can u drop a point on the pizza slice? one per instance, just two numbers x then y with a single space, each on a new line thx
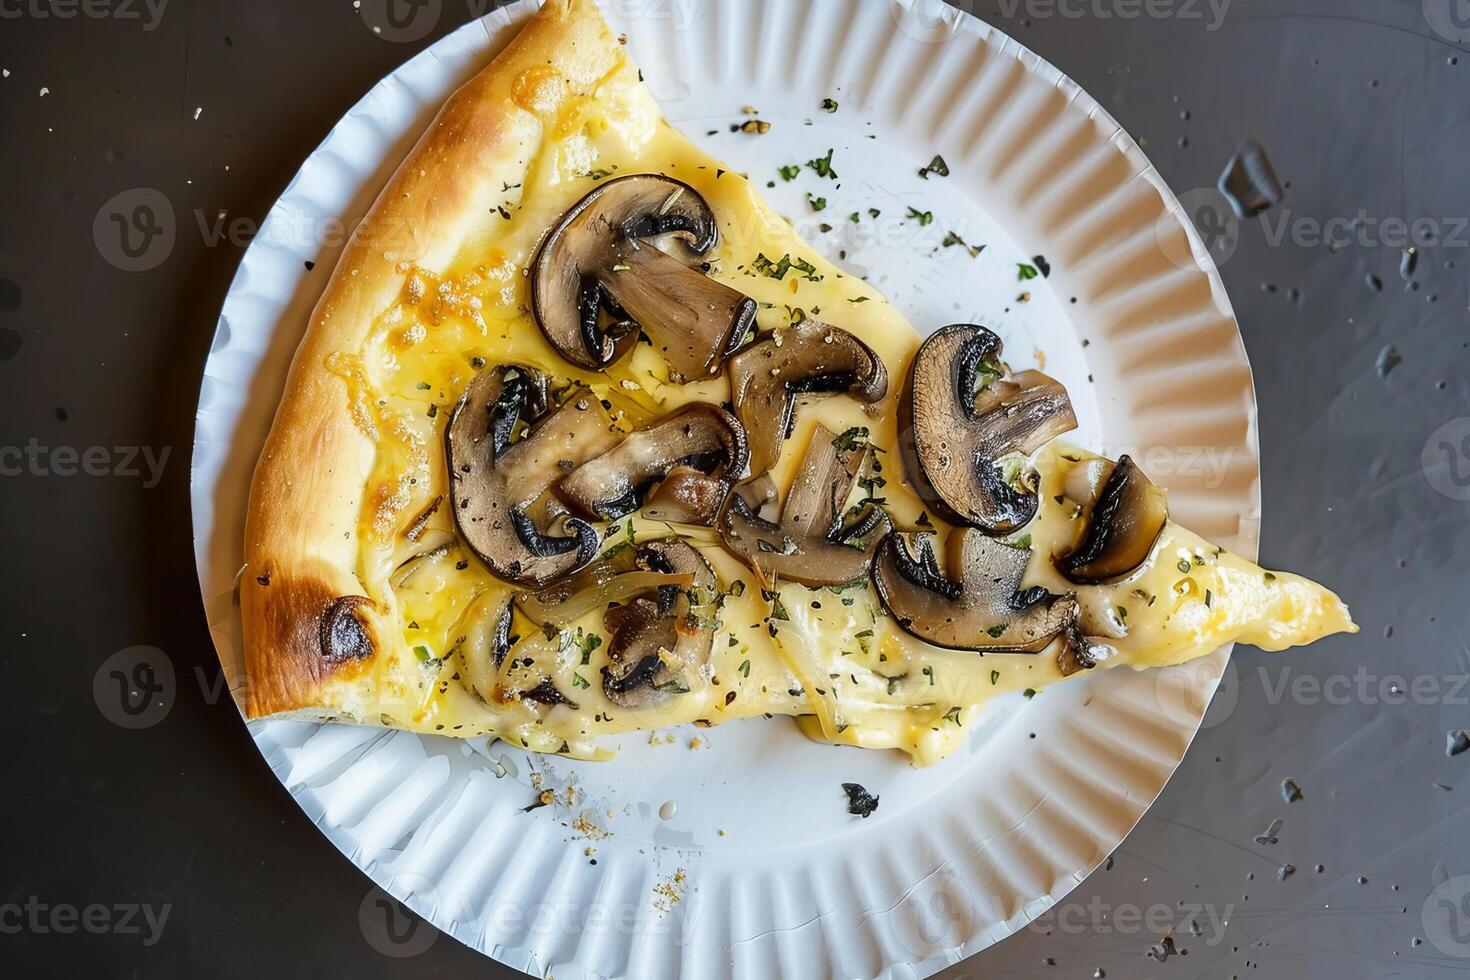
583 439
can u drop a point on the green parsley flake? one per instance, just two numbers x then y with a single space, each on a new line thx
823 166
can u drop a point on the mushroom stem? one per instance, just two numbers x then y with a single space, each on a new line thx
703 444
692 319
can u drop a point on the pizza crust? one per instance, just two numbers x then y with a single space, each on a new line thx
303 544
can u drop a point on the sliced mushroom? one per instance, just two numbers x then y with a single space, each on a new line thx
497 479
954 428
627 248
1127 521
705 444
687 496
661 640
1080 652
979 606
817 541
808 358
759 494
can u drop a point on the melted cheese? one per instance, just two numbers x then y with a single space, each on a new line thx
830 656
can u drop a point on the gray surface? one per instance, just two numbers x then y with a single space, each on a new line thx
1360 109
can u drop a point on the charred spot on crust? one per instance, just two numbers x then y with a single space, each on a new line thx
343 635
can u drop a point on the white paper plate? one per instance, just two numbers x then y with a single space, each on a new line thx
960 855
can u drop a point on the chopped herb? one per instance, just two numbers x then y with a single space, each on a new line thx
873 212
929 673
829 105
745 668
817 203
737 588
1122 613
422 652
953 239
1024 542
997 629
823 166
579 681
994 677
1209 598
1270 577
855 436
922 217
778 270
936 166
1025 271
1029 693
855 217
790 173
423 386
953 714
1183 565
860 299
600 174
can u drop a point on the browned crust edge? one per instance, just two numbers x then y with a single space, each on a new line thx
302 540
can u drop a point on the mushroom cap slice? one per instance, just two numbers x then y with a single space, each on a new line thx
816 541
660 641
1126 522
979 606
496 480
705 443
628 248
808 358
953 435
